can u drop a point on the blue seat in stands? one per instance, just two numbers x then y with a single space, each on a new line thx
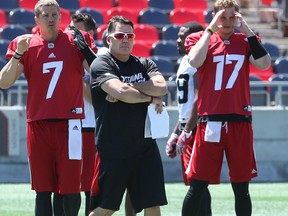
165 48
96 14
8 5
9 32
154 16
170 32
22 16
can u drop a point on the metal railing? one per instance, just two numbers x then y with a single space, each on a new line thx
279 87
267 87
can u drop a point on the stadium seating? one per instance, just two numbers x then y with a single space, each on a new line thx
3 47
267 2
200 5
3 18
22 17
8 5
27 4
171 97
96 14
279 96
121 11
165 65
263 74
102 5
170 32
208 15
260 95
281 65
154 16
71 5
65 18
141 49
180 16
146 33
135 5
165 48
9 32
166 5
272 49
3 62
100 30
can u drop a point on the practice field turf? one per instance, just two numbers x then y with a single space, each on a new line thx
269 199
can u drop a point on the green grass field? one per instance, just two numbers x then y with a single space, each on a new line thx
268 199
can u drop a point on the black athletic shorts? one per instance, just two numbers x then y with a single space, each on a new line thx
142 175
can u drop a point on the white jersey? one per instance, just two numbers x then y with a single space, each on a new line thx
89 120
102 51
185 89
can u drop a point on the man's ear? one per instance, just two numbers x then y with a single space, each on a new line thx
108 40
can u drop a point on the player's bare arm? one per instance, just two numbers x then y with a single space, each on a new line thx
198 53
12 70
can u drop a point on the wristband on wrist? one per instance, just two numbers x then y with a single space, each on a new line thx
18 54
256 48
16 57
210 29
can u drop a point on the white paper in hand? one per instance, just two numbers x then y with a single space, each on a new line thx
157 124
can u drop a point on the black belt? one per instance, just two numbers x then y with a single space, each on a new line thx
88 129
225 117
182 126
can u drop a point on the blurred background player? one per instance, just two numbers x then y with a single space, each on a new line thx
104 49
187 88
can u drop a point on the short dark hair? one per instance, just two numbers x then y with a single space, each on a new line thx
87 19
118 19
104 37
193 27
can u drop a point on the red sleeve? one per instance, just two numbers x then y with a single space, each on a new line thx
11 48
90 41
191 40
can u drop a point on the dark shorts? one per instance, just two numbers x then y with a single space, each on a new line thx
141 175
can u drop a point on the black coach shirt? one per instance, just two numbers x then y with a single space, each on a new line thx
120 126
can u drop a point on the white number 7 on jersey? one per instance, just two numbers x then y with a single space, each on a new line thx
58 65
220 69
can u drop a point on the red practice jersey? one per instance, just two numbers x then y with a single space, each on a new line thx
54 74
224 75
